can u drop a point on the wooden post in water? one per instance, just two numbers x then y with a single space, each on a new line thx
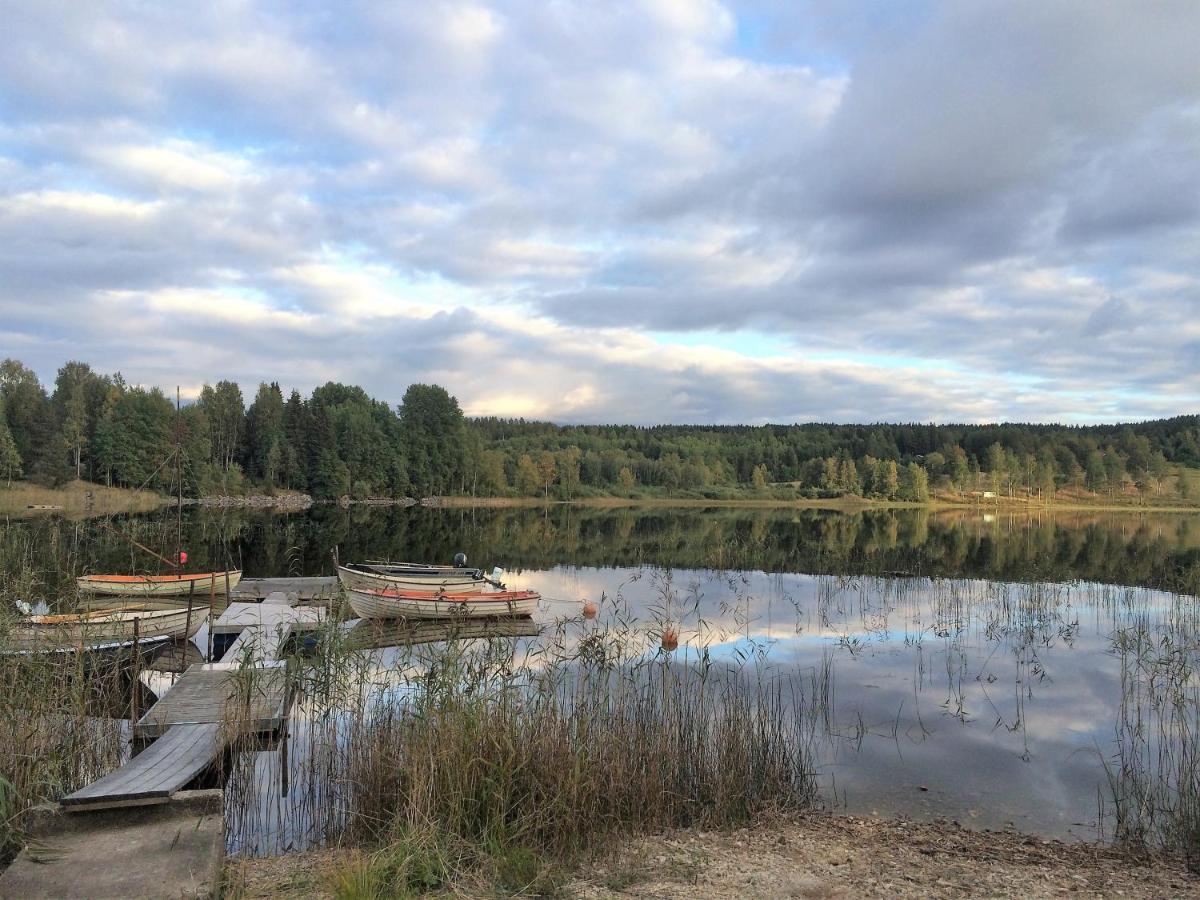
228 599
137 666
284 772
187 630
212 599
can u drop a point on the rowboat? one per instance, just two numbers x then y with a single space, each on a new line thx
102 628
390 603
367 576
199 583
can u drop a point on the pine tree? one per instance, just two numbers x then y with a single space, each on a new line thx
265 436
10 459
431 425
295 428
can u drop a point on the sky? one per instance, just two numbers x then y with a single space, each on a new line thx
661 211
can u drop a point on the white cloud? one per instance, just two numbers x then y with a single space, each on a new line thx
944 216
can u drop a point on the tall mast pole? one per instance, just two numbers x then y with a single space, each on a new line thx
179 478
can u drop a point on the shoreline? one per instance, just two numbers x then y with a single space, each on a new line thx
85 499
834 504
818 854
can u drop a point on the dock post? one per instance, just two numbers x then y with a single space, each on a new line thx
137 671
187 630
212 600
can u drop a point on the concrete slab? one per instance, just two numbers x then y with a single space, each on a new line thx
174 850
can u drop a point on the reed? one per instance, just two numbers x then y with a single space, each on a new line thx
59 730
1154 776
500 759
61 714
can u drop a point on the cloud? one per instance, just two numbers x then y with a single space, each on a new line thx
940 212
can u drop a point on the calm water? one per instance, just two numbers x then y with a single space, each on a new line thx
976 667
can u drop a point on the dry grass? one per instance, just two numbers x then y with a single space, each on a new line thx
58 730
77 498
498 762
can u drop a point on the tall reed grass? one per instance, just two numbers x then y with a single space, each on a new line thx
502 757
1154 776
60 729
61 714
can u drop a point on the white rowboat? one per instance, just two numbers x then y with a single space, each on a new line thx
398 604
102 628
200 584
364 578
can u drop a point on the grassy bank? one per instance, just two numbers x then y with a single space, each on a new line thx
76 498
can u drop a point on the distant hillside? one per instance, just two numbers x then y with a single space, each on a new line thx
340 441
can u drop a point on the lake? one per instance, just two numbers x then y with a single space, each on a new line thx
992 668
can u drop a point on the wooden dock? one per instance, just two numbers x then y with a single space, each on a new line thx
297 590
210 707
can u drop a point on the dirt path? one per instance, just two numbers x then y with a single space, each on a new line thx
818 856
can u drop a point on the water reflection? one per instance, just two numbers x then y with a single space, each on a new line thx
998 672
1149 550
991 703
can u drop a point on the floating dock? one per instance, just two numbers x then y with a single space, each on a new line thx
139 832
211 707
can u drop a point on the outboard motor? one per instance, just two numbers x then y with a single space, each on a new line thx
460 560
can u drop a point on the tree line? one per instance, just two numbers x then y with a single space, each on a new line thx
339 441
336 442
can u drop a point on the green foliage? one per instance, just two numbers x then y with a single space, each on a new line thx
915 484
432 426
759 477
266 438
354 444
10 459
133 438
25 409
226 413
342 442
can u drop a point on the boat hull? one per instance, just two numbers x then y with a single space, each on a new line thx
394 604
199 584
358 580
90 631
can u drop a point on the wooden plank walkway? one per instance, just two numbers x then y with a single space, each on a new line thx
297 590
250 699
208 708
154 774
264 628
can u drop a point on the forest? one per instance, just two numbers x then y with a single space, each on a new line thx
339 442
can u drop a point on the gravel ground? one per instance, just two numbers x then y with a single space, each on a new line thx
843 856
817 856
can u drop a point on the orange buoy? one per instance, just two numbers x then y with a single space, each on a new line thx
670 639
590 609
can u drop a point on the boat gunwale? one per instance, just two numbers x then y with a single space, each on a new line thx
500 597
157 579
